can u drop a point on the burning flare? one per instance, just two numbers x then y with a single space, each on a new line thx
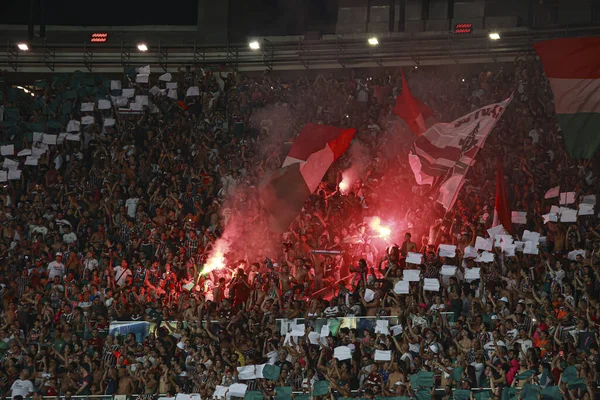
381 231
344 186
216 259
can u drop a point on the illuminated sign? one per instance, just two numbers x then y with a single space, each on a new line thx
463 28
99 37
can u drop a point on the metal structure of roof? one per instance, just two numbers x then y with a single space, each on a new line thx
66 49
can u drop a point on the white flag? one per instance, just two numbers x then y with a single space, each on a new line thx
115 85
586 209
143 70
383 355
431 285
103 104
448 270
589 199
447 250
567 198
414 258
192 91
7 150
552 193
402 287
342 353
411 275
382 326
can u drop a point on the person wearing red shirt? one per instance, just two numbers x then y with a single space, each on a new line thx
373 381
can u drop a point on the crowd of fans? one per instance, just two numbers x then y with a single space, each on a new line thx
117 224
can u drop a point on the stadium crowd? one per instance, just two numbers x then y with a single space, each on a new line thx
117 224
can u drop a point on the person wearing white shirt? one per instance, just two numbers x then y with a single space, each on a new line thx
56 267
511 332
131 205
90 263
61 223
332 310
122 273
524 342
69 237
22 386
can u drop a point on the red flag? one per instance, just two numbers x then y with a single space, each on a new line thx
501 207
411 110
284 191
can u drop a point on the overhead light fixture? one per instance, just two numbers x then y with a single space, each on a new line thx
463 79
23 46
494 35
142 47
373 41
416 67
254 45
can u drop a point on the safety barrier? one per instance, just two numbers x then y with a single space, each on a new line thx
141 329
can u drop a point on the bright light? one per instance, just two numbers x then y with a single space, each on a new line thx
99 37
416 66
463 79
216 259
344 186
29 92
494 36
254 45
373 41
23 46
381 231
142 47
214 262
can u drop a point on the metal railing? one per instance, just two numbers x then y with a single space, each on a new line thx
294 53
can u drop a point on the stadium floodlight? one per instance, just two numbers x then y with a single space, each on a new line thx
373 41
254 45
23 46
494 35
142 47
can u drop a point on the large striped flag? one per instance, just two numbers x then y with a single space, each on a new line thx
573 68
284 191
411 110
444 153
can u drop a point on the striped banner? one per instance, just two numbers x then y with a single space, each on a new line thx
454 145
442 156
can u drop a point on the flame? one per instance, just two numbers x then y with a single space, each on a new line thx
344 186
216 259
382 231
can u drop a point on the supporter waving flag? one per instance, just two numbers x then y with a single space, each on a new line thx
411 110
572 66
443 154
284 191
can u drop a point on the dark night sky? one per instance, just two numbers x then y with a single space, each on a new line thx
265 17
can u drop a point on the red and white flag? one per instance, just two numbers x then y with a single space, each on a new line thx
284 191
411 110
444 153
